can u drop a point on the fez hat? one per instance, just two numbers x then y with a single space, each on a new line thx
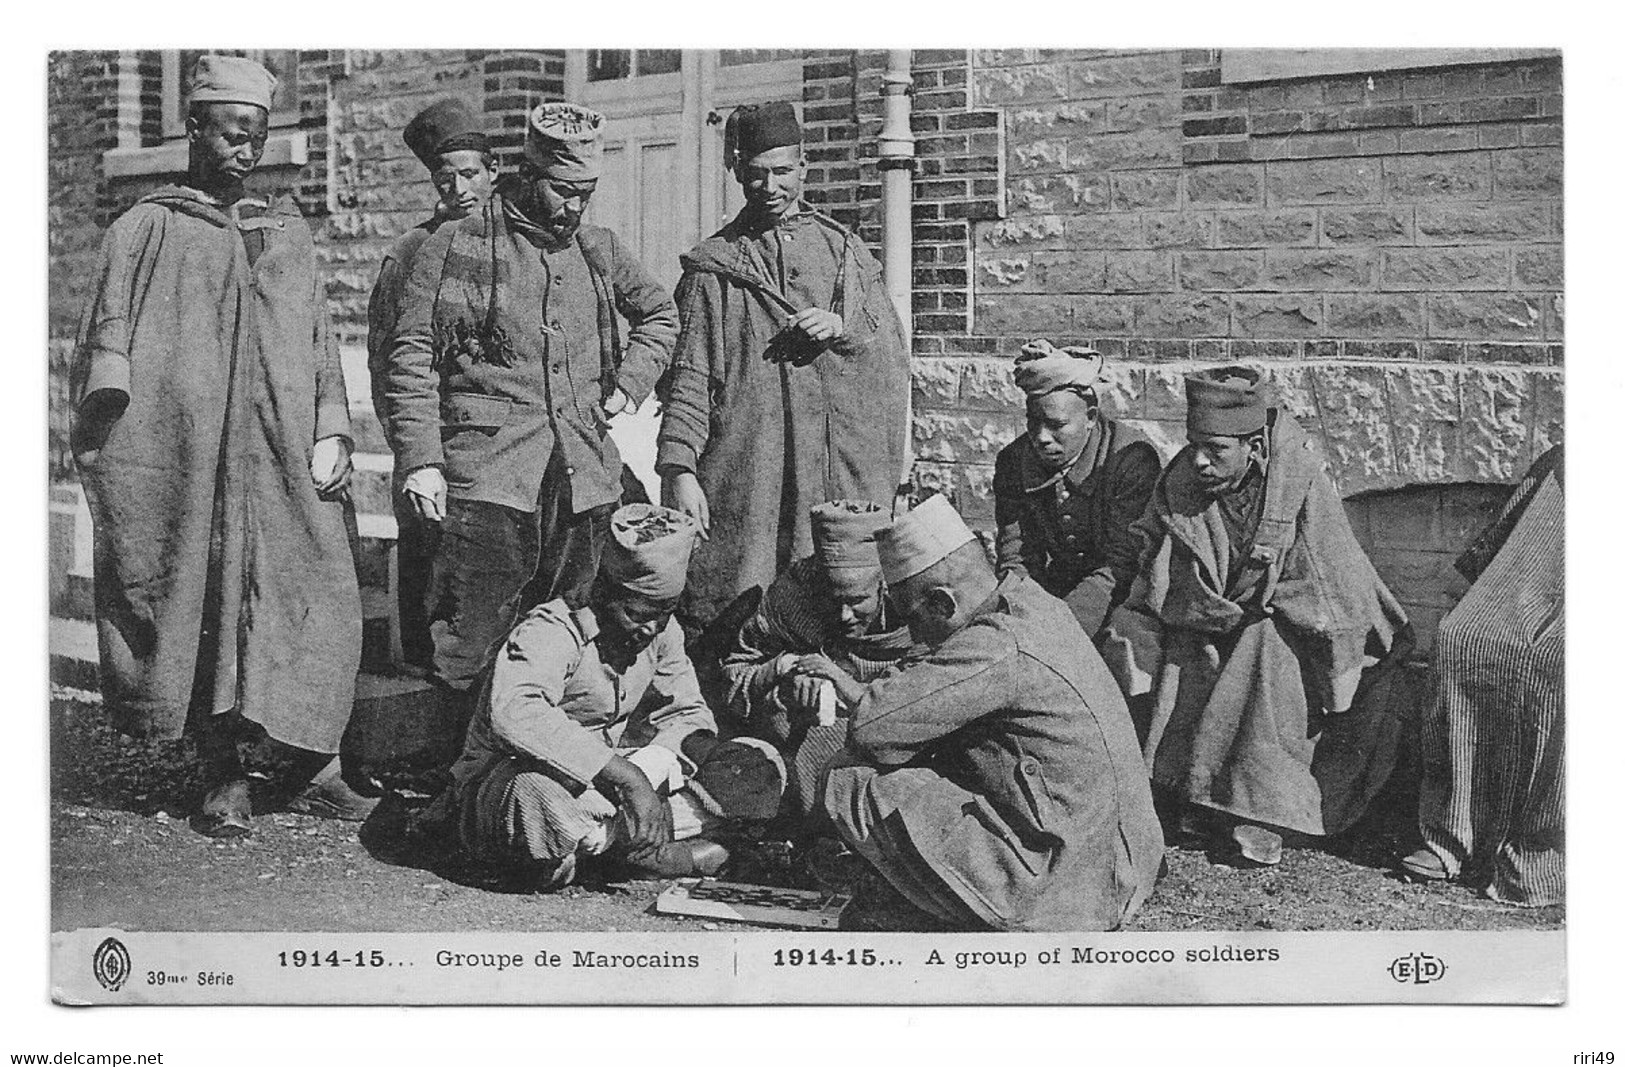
1227 401
220 79
1042 368
755 128
566 141
920 539
843 533
648 548
445 126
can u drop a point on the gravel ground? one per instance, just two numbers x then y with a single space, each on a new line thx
123 856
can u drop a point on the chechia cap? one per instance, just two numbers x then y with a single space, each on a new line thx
921 538
648 548
220 79
756 128
566 141
1226 401
843 533
445 126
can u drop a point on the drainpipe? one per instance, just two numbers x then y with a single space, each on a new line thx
896 207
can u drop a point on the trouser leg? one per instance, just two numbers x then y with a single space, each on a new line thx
568 545
485 553
416 542
866 807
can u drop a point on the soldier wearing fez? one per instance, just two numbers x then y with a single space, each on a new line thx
507 363
1253 617
790 383
994 779
451 143
212 434
591 737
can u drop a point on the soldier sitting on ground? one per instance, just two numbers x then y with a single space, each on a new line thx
590 737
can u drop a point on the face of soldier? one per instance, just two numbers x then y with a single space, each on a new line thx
628 623
225 144
555 204
855 609
464 180
772 180
1221 462
1058 425
930 608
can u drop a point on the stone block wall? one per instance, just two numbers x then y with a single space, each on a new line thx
1389 245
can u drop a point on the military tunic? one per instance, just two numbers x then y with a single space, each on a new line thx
997 781
504 354
1071 530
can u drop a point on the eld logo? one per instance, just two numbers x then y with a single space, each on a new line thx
1418 969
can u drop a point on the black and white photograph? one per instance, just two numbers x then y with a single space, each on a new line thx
796 525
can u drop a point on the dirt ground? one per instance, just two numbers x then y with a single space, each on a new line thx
123 856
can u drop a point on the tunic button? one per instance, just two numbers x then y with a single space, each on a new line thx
1029 766
569 470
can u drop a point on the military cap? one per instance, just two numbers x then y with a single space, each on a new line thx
448 125
755 128
921 538
843 533
648 548
1227 401
566 141
220 79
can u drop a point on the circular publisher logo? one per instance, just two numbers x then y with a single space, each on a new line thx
111 964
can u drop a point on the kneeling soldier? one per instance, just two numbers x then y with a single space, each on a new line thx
1068 491
591 737
994 781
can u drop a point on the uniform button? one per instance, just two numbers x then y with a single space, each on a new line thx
1066 516
1029 765
569 470
558 366
1065 494
1071 539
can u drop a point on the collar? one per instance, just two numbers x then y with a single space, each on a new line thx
587 622
799 214
1036 478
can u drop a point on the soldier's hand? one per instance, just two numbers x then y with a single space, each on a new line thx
819 325
426 489
618 402
799 695
644 812
818 665
330 466
682 491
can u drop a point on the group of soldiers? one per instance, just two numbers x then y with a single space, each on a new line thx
776 648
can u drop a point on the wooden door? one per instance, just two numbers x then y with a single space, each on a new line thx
663 186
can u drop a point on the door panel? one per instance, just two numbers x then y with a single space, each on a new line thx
657 145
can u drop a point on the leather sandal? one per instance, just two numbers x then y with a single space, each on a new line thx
329 796
1424 865
225 811
1257 844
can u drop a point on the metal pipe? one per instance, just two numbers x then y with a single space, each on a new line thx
897 192
897 210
